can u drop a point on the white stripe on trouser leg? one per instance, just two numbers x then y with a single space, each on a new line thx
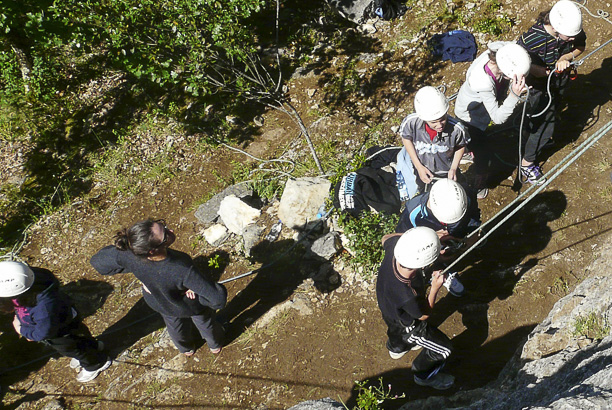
428 344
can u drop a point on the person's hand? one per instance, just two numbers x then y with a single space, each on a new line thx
442 233
437 279
518 85
17 325
190 294
562 65
425 175
452 174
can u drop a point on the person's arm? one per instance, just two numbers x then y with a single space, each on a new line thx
565 60
45 324
106 261
211 294
424 173
437 280
452 172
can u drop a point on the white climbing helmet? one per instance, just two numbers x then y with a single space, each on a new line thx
566 18
430 104
447 201
15 278
512 60
417 248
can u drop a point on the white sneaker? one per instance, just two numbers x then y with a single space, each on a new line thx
86 375
453 285
74 362
396 356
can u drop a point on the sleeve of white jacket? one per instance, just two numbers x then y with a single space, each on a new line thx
499 113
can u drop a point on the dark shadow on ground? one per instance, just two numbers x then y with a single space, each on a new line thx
19 357
274 284
137 323
490 278
467 369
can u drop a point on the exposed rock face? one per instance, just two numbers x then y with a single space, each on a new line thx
554 369
301 200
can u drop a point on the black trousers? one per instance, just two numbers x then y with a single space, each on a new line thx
78 343
181 330
437 347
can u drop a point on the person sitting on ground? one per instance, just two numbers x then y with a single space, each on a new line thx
405 307
481 99
553 43
448 210
171 284
434 141
45 314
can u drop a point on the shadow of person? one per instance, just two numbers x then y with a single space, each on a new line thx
137 323
483 366
213 265
285 267
21 357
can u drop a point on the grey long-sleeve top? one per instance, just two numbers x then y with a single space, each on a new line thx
167 281
477 102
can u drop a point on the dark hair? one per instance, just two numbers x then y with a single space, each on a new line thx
138 238
28 298
493 56
544 18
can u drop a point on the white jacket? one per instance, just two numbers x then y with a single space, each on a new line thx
476 103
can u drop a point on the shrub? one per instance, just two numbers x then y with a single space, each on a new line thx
364 235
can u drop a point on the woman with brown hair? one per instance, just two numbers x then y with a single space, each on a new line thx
172 285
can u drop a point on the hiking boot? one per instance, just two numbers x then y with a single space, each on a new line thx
87 375
467 158
532 174
453 285
74 362
482 193
440 381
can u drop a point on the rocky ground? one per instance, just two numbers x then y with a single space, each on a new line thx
290 340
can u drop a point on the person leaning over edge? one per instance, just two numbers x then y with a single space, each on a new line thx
434 141
405 307
45 314
484 98
171 284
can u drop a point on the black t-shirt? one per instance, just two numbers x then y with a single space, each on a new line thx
399 299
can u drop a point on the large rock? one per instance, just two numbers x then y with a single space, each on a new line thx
327 246
301 200
209 211
216 234
236 215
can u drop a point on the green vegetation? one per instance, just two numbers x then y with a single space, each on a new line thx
370 397
594 326
491 20
364 235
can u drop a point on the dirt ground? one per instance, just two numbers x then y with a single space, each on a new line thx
512 282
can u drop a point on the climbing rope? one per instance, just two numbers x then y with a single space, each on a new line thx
558 169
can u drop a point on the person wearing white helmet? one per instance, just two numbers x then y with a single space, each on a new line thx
433 140
405 306
446 208
45 314
553 43
484 98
